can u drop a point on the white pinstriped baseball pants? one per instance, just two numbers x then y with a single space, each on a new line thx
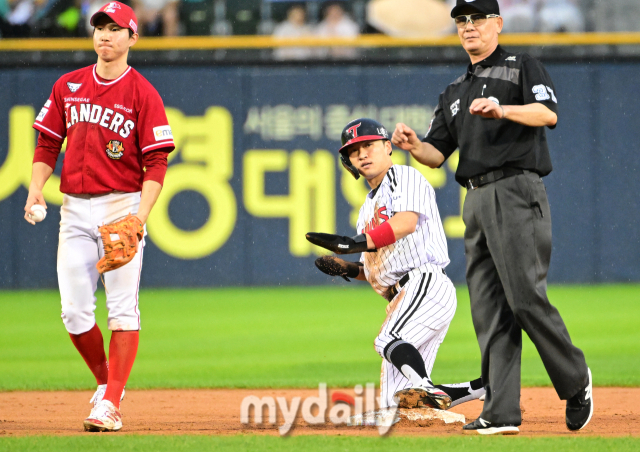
420 315
80 248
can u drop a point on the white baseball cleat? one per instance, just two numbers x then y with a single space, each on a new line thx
99 394
104 417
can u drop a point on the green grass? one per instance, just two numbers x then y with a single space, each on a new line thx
122 443
292 337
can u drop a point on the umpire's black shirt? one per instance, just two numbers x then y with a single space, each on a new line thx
488 144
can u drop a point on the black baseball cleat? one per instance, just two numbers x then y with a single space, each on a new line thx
580 407
488 428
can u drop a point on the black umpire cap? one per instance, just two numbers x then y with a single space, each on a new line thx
361 129
479 6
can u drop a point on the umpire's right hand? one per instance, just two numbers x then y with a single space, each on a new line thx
405 138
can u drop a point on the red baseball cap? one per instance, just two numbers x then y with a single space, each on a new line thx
120 13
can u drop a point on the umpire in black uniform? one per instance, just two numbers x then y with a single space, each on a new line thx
496 114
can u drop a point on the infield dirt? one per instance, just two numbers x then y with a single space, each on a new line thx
217 412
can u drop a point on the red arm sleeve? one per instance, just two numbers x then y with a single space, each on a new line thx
47 150
155 163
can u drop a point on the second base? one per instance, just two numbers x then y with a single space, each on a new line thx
386 417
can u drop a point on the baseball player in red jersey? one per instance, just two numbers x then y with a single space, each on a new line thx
118 138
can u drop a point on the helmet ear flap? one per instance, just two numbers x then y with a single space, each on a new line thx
348 166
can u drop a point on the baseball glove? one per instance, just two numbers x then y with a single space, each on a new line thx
119 252
339 244
334 266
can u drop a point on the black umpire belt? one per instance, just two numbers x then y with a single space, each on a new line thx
395 289
492 176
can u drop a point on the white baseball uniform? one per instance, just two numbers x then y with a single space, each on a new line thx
424 306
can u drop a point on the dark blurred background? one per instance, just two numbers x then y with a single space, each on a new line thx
70 18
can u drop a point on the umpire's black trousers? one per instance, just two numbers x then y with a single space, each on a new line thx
508 249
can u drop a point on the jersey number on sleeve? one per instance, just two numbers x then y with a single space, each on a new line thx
544 93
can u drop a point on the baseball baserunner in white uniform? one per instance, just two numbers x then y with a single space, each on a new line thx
404 253
118 139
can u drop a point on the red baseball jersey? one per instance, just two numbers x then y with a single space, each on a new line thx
109 125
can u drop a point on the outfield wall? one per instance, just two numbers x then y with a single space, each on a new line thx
256 168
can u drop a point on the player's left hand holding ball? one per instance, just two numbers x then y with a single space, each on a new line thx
339 244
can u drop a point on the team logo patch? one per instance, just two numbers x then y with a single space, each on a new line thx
115 149
44 111
162 133
383 132
73 87
511 58
455 107
111 7
42 114
353 131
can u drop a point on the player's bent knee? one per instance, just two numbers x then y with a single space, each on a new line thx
384 345
380 343
77 320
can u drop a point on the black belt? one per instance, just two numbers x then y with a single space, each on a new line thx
404 280
491 176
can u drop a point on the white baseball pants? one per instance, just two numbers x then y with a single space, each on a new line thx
80 248
420 314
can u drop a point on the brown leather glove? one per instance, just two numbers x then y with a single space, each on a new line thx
120 252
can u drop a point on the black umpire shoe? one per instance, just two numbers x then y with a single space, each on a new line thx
580 407
487 428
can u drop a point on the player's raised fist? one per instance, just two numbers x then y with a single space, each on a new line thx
404 137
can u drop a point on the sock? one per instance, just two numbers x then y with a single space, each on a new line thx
91 348
122 353
463 392
407 359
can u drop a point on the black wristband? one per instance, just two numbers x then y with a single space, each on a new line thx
353 269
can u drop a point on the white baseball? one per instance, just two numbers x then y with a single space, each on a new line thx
38 213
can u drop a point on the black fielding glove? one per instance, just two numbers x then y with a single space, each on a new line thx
339 244
334 266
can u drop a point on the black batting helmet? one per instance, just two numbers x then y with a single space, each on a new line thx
361 129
